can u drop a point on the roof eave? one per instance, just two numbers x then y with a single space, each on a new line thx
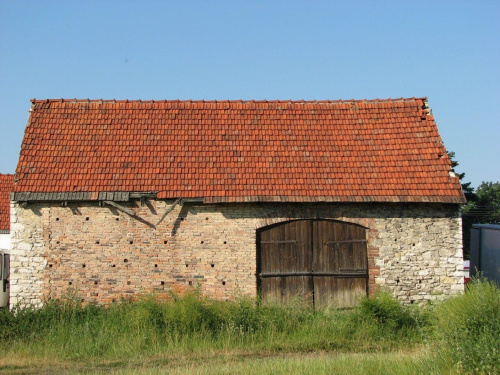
125 196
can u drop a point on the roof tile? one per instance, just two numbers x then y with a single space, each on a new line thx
6 184
356 150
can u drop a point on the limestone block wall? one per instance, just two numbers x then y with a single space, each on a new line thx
102 254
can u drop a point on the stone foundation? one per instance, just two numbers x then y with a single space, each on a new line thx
102 254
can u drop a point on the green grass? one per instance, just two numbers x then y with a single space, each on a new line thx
467 329
192 334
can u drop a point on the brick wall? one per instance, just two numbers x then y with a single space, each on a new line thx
102 254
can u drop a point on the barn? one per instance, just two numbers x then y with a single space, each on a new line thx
325 201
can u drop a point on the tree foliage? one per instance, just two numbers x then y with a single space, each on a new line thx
488 193
486 206
466 186
483 205
484 209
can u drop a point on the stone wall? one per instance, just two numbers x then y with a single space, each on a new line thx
103 254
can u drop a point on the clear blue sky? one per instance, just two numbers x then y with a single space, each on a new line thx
448 51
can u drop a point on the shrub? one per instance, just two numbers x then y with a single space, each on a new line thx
386 311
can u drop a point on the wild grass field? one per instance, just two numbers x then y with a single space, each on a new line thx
195 335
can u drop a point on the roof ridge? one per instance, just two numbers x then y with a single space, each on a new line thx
242 101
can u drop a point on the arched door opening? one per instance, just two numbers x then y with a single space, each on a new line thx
322 262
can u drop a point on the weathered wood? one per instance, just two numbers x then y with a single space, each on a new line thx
192 200
276 242
297 259
346 241
284 248
336 274
168 210
120 207
141 195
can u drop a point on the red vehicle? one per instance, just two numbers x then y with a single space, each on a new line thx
466 271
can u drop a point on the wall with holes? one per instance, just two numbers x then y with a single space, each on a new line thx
101 254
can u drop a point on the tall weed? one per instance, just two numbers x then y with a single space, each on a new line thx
192 322
386 318
468 328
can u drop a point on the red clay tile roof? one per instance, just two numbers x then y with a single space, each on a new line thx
358 150
6 184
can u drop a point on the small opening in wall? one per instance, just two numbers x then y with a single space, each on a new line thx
187 265
420 281
225 242
397 281
202 242
125 260
95 283
83 300
128 283
165 242
70 283
212 265
412 244
412 301
395 239
58 242
190 283
223 283
156 266
97 242
131 242
162 283
50 265
114 265
83 265
113 300
57 219
87 218
117 219
206 218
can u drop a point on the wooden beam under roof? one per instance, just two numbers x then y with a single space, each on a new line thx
168 210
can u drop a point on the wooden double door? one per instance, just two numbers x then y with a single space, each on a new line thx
321 262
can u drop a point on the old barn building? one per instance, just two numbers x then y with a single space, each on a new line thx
326 200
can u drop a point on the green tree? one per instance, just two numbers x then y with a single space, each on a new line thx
467 189
467 221
484 209
486 205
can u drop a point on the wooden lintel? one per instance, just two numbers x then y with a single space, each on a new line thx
140 195
192 200
169 210
120 207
